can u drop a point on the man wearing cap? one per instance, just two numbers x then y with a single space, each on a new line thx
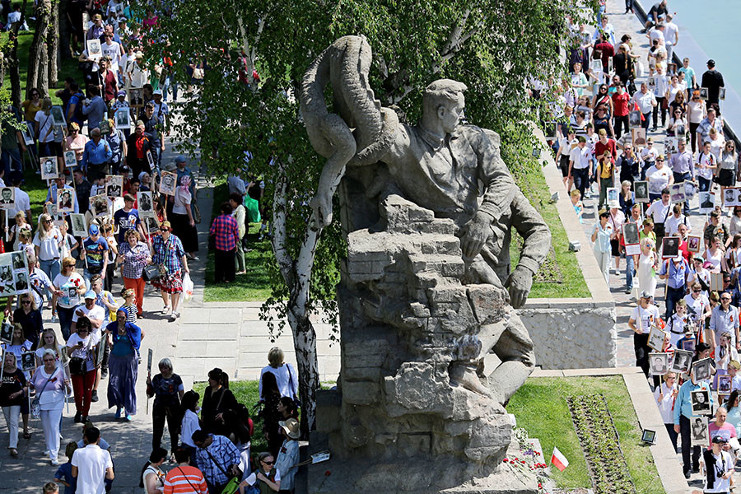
718 465
724 319
96 30
683 418
288 456
713 80
95 254
646 102
91 310
580 168
675 272
97 154
643 317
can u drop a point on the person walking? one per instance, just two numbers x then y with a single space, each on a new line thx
288 457
240 214
68 287
48 245
167 251
92 465
13 391
183 222
601 234
51 387
225 233
167 389
683 416
83 350
124 340
133 257
643 317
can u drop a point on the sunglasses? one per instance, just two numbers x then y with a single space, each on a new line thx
268 462
26 302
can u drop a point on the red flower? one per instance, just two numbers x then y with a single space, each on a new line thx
540 486
327 473
506 460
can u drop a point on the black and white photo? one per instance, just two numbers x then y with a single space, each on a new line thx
699 431
6 332
167 183
700 399
659 363
28 361
114 186
669 247
94 51
70 159
65 200
57 116
49 167
656 339
78 225
18 260
704 93
123 119
7 198
682 361
701 368
641 191
707 202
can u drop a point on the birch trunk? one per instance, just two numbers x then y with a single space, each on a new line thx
38 45
13 63
53 45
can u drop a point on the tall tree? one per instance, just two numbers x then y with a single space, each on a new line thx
12 59
53 45
38 55
494 47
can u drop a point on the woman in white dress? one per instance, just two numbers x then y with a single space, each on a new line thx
646 267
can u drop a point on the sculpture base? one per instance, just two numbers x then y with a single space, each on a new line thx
412 476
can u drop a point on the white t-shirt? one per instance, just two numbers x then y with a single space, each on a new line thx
114 52
658 179
92 463
723 462
22 203
658 211
181 201
672 224
97 312
46 126
68 285
697 305
644 318
50 247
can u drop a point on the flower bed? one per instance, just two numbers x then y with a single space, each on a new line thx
601 445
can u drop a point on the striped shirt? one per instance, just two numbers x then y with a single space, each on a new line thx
185 480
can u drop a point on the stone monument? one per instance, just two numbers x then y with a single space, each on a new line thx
426 294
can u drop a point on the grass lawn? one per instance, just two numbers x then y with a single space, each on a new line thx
566 267
540 407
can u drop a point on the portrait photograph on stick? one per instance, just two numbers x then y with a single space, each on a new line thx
65 201
656 338
669 247
7 198
658 363
641 191
50 168
682 361
699 431
700 402
701 368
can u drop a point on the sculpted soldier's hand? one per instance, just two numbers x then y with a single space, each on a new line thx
519 283
477 232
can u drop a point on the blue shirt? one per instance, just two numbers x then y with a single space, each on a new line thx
683 403
224 452
96 154
126 220
677 275
96 111
64 472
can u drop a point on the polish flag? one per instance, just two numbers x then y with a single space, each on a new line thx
559 460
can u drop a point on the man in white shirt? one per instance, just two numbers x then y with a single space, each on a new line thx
22 201
91 465
112 50
91 310
659 211
657 33
646 102
671 36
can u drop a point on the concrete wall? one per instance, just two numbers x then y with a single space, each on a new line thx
572 333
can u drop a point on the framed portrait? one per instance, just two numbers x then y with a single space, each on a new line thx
651 82
57 116
65 200
716 282
700 402
150 160
630 233
722 93
151 223
640 188
656 339
612 198
28 361
730 197
690 189
27 133
638 134
689 345
144 202
6 332
703 93
21 282
70 159
693 243
669 247
699 431
50 166
678 193
723 384
7 198
79 229
658 363
596 67
671 69
114 186
634 118
682 361
702 369
99 206
168 182
94 51
549 129
707 202
648 436
123 119
670 146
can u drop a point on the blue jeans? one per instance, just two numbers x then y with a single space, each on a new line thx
51 268
629 271
683 177
65 320
11 160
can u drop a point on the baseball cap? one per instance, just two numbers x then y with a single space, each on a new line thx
719 440
94 230
122 93
90 294
646 294
711 62
156 92
180 159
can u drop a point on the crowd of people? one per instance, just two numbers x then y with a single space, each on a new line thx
608 148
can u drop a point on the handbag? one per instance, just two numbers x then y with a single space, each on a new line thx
152 272
36 402
233 485
77 366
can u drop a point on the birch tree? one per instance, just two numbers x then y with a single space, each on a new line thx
494 47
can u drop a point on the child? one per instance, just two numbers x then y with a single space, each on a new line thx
576 202
129 296
70 242
25 242
677 322
64 472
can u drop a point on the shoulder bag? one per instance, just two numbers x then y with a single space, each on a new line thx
152 272
36 402
232 486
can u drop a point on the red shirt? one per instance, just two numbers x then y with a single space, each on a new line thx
599 149
621 104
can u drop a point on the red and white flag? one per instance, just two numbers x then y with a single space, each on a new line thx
558 460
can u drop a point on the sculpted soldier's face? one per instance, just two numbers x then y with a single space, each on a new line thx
450 114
